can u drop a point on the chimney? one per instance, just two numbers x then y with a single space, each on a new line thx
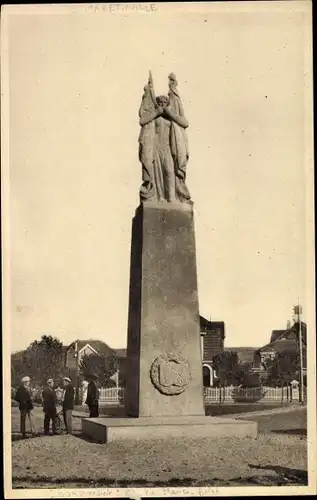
297 310
288 324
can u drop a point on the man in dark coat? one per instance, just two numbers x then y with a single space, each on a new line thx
92 399
68 404
49 407
24 398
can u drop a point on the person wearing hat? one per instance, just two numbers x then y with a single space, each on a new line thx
24 397
68 404
92 399
49 407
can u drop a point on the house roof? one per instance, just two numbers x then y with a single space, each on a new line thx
98 345
284 345
121 353
286 339
245 354
205 324
275 334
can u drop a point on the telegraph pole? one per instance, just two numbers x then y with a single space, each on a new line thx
77 374
297 312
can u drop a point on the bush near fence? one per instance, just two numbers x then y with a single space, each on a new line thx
254 394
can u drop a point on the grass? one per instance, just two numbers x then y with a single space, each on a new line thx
276 457
234 408
291 424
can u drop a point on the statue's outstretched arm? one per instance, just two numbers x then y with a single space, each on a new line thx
148 116
180 120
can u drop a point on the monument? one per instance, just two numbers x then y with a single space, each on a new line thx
164 388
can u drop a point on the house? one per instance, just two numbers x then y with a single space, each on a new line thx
91 346
121 353
212 343
83 347
245 354
120 375
281 341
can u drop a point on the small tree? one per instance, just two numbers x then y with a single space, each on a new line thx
103 367
43 359
244 375
283 368
18 369
225 365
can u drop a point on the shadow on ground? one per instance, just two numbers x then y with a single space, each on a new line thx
116 483
74 482
292 432
18 437
88 439
235 408
285 476
288 475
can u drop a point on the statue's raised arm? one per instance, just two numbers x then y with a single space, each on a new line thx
147 113
148 110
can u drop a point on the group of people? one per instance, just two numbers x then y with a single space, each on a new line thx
24 397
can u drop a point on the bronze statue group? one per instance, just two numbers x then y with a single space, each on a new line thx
52 417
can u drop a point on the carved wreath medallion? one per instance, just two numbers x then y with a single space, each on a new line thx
170 373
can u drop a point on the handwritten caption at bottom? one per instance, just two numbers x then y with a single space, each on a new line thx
116 8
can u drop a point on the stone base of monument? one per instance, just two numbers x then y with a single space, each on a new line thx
107 430
164 396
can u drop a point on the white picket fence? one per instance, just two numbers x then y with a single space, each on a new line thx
254 394
231 394
111 395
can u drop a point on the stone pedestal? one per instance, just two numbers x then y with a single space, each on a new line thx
107 430
164 352
164 389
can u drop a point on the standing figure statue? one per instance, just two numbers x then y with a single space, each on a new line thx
163 146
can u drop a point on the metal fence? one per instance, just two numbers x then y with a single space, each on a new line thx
212 395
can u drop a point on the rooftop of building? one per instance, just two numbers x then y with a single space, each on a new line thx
245 354
98 345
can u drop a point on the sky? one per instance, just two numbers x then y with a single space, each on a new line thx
76 79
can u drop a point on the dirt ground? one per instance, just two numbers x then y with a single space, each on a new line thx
277 457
